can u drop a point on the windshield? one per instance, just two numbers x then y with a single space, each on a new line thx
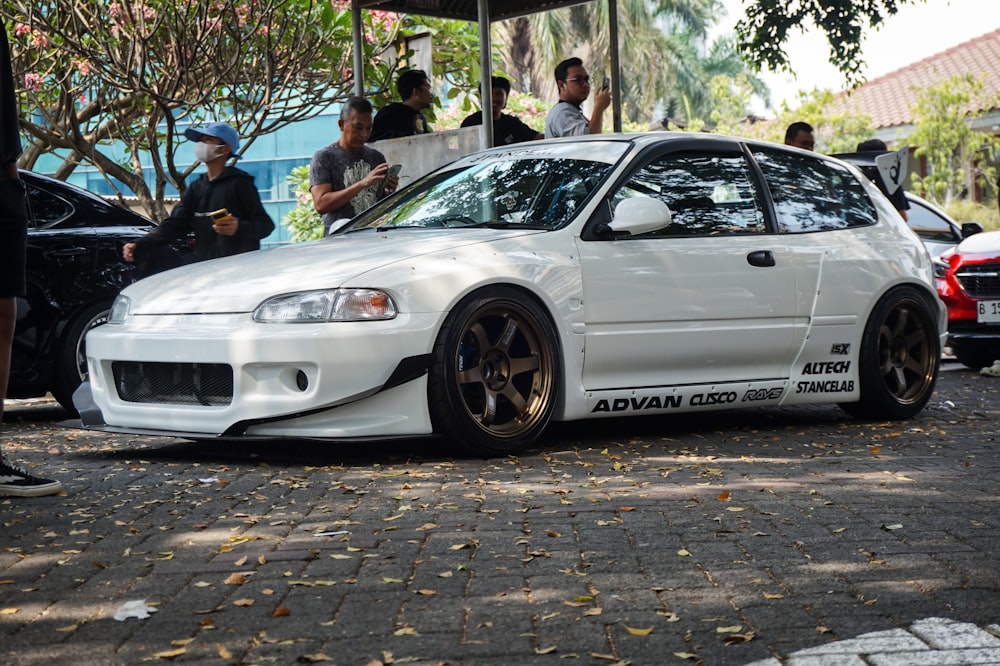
540 189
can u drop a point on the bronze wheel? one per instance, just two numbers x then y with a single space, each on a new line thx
493 387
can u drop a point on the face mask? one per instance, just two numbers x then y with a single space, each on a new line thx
206 152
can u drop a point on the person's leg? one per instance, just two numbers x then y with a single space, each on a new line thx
13 229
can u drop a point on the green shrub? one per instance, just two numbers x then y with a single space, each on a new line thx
986 214
304 223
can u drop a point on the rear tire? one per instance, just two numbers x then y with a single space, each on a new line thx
71 357
493 386
900 356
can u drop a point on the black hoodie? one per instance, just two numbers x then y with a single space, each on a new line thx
234 190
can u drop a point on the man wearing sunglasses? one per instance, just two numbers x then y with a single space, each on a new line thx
566 118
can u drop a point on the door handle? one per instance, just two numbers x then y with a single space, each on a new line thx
761 258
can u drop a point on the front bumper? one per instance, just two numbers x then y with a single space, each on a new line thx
328 381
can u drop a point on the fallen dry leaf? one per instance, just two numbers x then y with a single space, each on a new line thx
728 630
170 654
243 602
547 650
406 630
314 658
223 652
638 632
281 611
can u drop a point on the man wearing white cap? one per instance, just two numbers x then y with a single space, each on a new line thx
222 207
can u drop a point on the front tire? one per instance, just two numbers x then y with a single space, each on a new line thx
71 357
975 354
900 356
492 388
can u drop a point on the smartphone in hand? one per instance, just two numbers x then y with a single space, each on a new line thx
394 170
606 84
219 215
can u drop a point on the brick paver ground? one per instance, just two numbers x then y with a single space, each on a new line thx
777 536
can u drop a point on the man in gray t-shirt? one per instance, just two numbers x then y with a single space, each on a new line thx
566 118
347 177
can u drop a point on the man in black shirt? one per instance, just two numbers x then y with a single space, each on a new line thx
404 118
13 247
507 129
898 196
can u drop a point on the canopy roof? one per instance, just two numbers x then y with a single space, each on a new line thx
467 10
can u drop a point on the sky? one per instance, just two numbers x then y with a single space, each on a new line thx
918 30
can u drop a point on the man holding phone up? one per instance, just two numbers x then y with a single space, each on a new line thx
566 118
347 177
222 208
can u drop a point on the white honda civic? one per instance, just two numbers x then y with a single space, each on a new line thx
612 275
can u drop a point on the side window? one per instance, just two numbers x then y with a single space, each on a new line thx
813 194
707 193
46 209
929 225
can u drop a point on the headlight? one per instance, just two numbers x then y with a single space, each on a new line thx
326 305
119 310
940 269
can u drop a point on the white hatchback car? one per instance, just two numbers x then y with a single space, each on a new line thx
612 275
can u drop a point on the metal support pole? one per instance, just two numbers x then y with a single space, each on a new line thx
359 49
486 69
616 75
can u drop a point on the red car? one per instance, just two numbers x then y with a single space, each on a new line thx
968 281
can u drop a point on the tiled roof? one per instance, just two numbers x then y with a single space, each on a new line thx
889 99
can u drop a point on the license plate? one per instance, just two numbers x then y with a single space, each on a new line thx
988 312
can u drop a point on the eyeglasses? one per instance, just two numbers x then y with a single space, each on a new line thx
582 80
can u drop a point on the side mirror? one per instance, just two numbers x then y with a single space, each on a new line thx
640 215
971 229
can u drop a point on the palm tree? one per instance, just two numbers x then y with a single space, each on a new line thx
661 44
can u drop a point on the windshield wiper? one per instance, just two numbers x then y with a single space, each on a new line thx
505 225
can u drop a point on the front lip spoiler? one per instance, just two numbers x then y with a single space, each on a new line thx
91 417
203 436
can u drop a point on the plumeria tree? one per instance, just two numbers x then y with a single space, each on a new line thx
108 81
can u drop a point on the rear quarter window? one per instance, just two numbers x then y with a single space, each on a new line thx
812 194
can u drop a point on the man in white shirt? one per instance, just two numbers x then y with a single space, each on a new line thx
566 118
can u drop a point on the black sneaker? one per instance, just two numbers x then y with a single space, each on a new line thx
15 481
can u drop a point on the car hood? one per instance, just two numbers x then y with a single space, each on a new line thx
980 246
240 283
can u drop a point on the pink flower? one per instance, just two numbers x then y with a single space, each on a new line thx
33 82
21 30
38 40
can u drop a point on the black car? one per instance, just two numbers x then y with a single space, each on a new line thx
74 271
